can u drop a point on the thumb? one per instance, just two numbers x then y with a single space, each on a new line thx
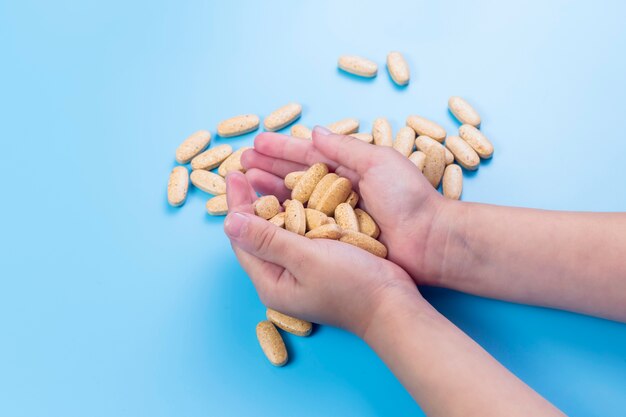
345 150
267 241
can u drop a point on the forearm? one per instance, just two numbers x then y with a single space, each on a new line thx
568 260
446 372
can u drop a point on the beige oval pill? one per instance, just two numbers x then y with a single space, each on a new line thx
452 182
463 152
381 131
233 162
315 219
477 140
344 126
423 126
336 194
463 111
177 186
346 218
367 225
289 324
304 187
217 206
272 343
353 199
364 242
266 206
238 125
365 137
301 131
398 68
321 188
282 117
434 165
295 217
419 159
208 182
325 231
211 158
422 142
405 141
192 146
278 220
292 178
358 66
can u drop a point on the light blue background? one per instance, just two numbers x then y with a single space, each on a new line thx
114 304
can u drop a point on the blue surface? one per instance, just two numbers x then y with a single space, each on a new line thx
114 304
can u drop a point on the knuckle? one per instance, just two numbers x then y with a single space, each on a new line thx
265 238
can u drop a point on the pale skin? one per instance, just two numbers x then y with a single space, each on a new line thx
523 255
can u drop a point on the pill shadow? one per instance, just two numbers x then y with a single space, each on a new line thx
357 78
396 86
456 121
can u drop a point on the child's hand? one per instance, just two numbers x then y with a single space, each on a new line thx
319 280
412 216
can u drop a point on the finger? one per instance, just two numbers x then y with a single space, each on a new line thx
280 167
297 150
268 184
268 242
350 152
239 193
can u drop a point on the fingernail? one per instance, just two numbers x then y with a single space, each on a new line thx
321 130
235 224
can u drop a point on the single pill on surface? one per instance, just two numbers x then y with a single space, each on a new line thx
266 206
320 188
423 142
463 152
423 126
217 206
364 242
192 146
272 343
211 158
452 182
365 137
238 125
346 217
336 194
208 182
405 141
282 117
353 199
295 217
325 231
358 65
177 186
477 140
301 131
278 220
344 126
419 159
367 225
463 111
233 162
434 165
289 324
308 181
315 219
398 68
292 178
381 131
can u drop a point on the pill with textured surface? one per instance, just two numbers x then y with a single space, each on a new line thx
358 65
405 141
301 131
282 117
177 186
325 231
266 206
295 217
217 206
320 188
344 126
419 159
434 165
289 324
336 194
238 125
315 219
192 146
463 111
381 131
477 140
346 218
452 184
208 182
304 187
365 242
367 225
423 126
292 178
398 68
463 152
233 162
212 158
365 137
353 199
272 343
278 220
